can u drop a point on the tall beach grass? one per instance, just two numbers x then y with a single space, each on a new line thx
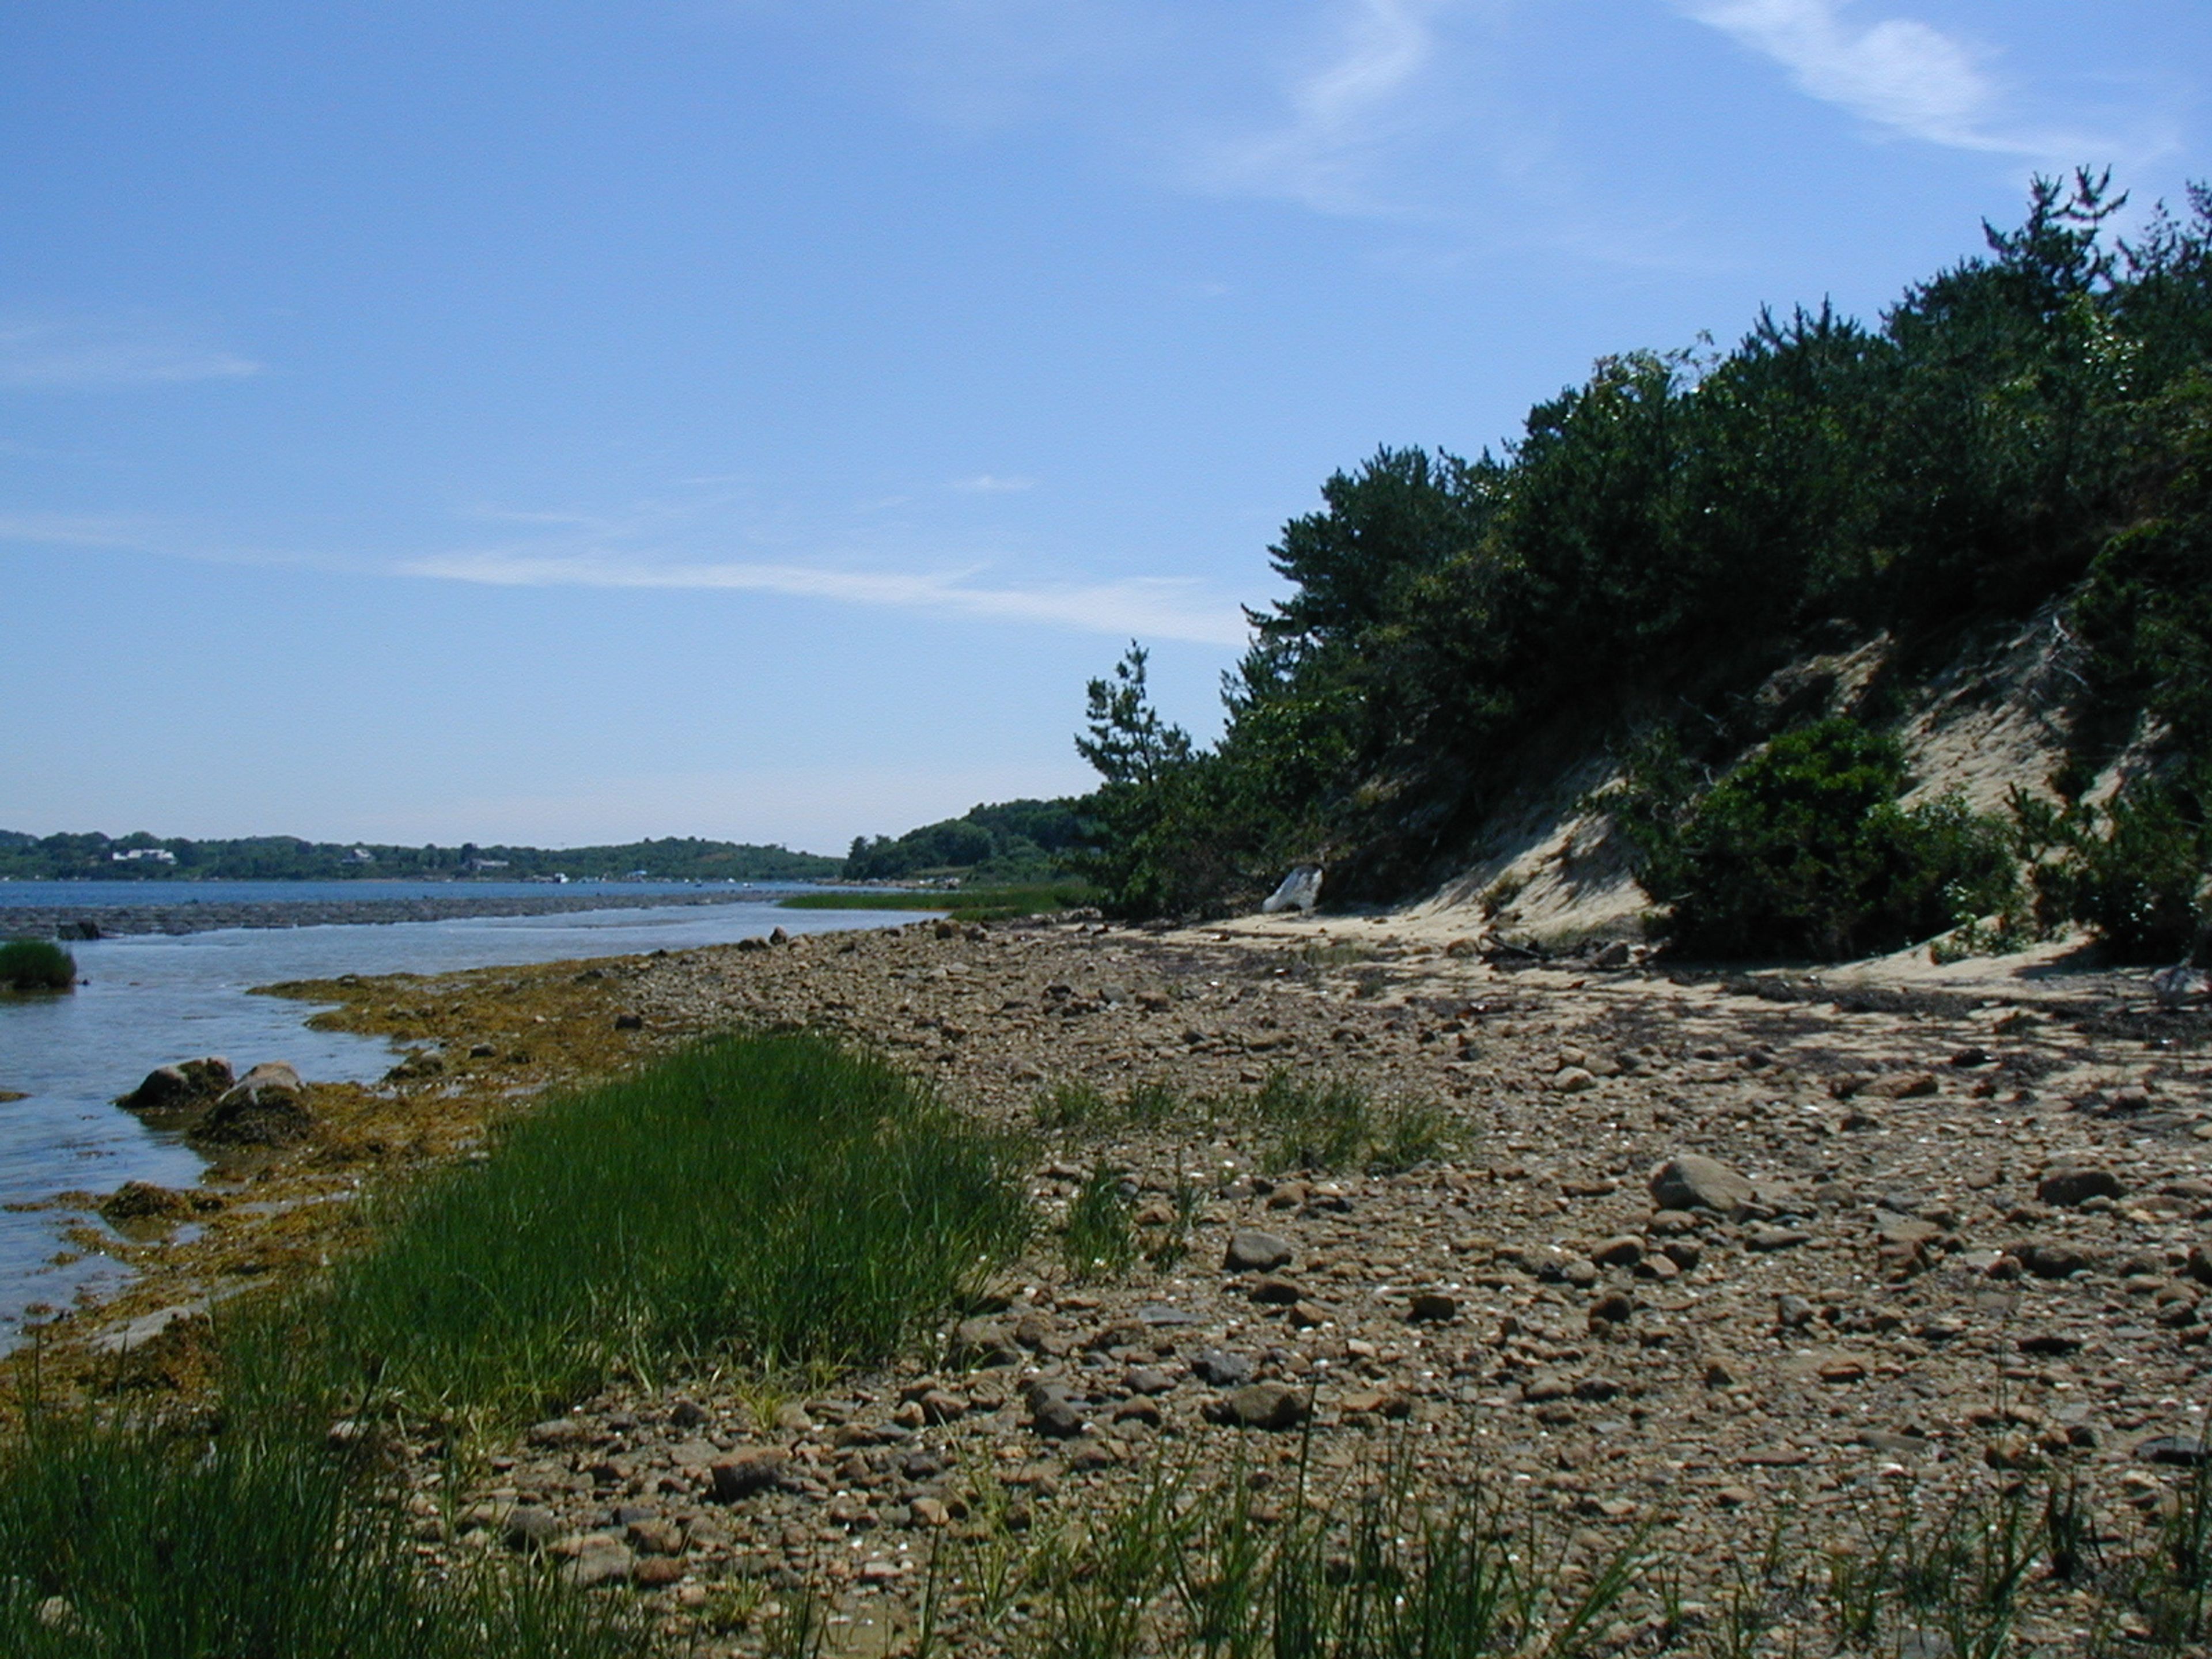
774 1199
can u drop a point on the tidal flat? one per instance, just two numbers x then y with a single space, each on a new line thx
1762 1310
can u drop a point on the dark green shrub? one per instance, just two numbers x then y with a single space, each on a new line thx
36 964
1802 850
2131 874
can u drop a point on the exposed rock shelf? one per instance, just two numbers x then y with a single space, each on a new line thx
68 921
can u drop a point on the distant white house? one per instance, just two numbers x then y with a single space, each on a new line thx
360 855
144 855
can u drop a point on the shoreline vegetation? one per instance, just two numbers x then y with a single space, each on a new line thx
1737 590
984 904
35 964
810 1207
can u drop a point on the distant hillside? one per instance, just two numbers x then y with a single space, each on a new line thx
143 857
1964 552
1015 841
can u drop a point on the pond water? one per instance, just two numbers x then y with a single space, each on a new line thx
152 999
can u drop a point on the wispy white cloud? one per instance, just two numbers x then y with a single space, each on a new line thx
988 483
1145 607
1898 75
1358 100
116 532
1150 607
90 353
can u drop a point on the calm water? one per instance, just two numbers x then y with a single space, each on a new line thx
153 998
144 894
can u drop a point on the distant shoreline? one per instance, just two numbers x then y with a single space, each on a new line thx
69 921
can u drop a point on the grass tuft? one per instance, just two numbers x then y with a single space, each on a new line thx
1100 1241
36 964
1328 1123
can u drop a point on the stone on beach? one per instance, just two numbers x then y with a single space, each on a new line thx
1688 1181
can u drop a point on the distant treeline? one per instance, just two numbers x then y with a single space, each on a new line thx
143 857
1015 841
2027 432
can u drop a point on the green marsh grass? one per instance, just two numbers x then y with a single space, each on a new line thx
126 1539
963 903
36 964
773 1199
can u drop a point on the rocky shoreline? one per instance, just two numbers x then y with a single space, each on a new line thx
71 922
1687 1263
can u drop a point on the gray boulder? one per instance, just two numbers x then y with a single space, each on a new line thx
183 1087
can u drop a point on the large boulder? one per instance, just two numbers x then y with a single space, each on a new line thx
1690 1181
264 1108
184 1087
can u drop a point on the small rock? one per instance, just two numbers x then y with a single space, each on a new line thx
1690 1181
655 1537
2068 1188
2181 1451
1769 1239
1433 1308
1622 1252
1223 1370
744 1473
529 1527
1276 1292
1272 1406
1570 1080
1613 1310
2199 1266
1253 1251
2014 1452
1902 1085
2052 1259
1052 1414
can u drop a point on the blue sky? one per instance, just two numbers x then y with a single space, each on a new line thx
570 422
